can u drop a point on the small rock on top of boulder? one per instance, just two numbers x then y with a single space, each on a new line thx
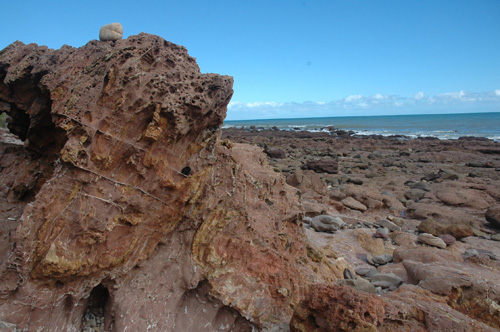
112 31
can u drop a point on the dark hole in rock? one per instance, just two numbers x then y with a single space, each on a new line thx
27 105
93 317
186 171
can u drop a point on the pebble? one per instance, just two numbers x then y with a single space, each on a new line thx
432 240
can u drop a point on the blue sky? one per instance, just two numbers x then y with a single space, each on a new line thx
305 58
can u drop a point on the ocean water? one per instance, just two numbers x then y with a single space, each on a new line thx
442 126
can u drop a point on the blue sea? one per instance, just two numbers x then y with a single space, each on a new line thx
442 126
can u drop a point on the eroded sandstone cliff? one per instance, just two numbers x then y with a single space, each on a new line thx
120 204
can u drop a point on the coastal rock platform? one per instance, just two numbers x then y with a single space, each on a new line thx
420 211
124 207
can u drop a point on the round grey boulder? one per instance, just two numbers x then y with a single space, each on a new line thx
326 223
112 31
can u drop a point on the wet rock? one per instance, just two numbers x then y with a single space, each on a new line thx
432 240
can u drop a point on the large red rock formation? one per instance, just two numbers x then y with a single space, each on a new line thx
122 202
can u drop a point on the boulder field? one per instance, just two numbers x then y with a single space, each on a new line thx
416 220
123 209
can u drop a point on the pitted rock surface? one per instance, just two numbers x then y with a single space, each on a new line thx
123 192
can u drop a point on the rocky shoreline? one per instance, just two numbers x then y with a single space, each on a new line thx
123 209
405 214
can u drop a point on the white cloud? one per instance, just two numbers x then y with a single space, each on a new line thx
378 104
457 95
257 104
419 95
265 103
353 98
378 96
